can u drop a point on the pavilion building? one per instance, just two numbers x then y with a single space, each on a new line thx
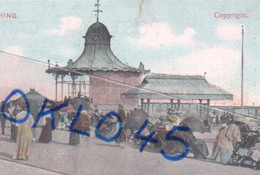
102 77
175 90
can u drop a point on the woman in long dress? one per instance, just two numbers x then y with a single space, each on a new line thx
13 111
74 137
14 129
227 138
24 136
46 134
82 124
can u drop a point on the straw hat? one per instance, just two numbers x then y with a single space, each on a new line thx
84 112
243 120
172 118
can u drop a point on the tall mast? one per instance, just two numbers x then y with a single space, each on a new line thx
242 72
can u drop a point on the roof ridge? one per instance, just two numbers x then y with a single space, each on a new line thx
172 76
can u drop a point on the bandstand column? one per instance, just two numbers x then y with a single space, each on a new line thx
178 103
200 107
56 86
75 89
80 89
73 86
62 78
68 90
208 102
84 88
171 103
148 106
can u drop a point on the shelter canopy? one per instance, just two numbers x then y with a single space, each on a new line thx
162 86
34 96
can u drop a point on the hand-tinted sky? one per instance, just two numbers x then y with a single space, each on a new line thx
168 36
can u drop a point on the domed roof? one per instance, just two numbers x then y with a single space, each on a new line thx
97 54
98 32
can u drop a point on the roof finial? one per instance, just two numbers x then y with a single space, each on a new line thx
97 11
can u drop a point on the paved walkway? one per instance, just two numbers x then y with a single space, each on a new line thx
8 167
95 157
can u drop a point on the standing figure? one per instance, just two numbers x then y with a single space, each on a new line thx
14 129
121 113
83 125
79 94
13 111
2 124
123 116
217 120
227 139
74 137
46 134
94 117
2 119
34 110
24 136
85 121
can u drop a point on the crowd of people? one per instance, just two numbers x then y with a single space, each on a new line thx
230 135
24 134
235 136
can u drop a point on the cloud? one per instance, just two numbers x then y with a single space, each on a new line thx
216 61
229 31
221 64
67 24
160 34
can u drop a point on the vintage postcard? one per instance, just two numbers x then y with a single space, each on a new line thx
130 87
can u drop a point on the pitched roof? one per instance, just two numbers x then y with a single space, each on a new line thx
33 95
162 86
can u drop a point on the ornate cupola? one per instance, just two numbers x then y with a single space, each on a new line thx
97 54
97 34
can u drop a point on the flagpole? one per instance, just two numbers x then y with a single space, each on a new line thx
242 73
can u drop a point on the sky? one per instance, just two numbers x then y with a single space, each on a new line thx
185 37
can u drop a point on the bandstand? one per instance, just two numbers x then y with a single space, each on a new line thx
97 73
